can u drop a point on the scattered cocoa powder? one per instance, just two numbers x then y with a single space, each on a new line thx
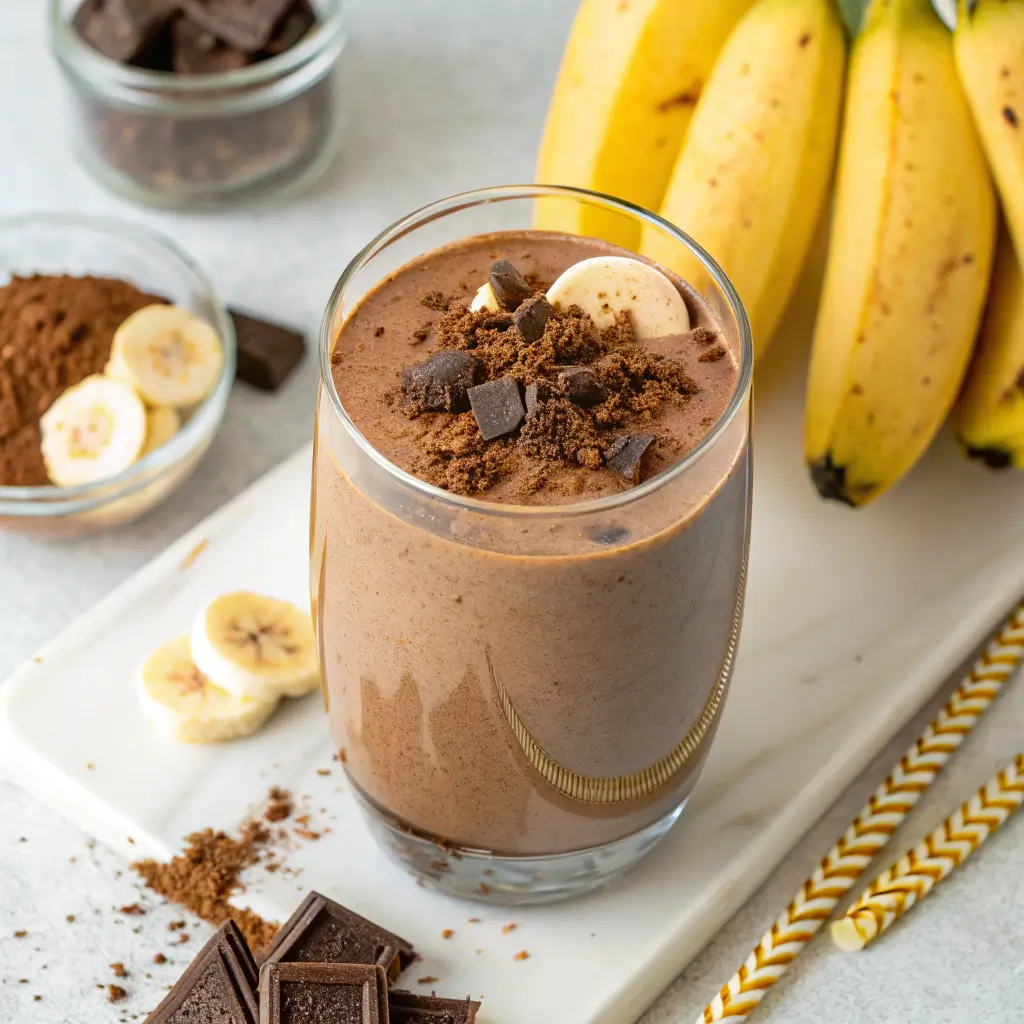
119 969
207 873
437 301
132 910
159 958
279 806
54 332
115 993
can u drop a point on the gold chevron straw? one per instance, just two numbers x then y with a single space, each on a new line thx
916 873
872 828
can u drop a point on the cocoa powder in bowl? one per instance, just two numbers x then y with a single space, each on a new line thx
54 332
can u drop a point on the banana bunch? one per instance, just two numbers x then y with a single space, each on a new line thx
162 360
913 233
245 653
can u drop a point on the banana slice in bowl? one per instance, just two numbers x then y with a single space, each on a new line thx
256 646
168 355
179 699
95 430
162 423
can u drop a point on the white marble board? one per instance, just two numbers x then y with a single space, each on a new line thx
852 620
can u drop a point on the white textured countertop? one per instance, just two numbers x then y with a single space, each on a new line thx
444 98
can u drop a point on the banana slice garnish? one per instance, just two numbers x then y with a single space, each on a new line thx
168 355
606 285
95 430
256 646
485 299
162 423
183 704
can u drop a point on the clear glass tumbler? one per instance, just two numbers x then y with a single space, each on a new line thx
523 697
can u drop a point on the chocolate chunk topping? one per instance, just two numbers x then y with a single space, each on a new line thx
440 384
122 29
406 1008
267 352
245 24
531 318
625 454
197 51
322 931
219 985
323 994
509 286
581 385
532 394
497 407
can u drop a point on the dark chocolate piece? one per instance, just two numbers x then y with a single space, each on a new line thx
245 24
219 985
625 454
581 386
322 931
441 383
531 317
509 286
532 401
497 407
122 29
197 51
292 28
407 1008
267 352
323 994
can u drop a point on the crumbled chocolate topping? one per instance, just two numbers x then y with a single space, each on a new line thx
561 432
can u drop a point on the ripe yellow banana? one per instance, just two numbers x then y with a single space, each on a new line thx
631 74
754 169
989 44
988 418
909 257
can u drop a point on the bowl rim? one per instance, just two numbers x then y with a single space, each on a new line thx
52 500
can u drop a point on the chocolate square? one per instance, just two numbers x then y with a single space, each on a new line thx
323 994
322 931
219 985
267 352
509 286
197 51
405 1008
497 407
245 24
122 29
291 29
625 453
531 318
440 383
581 386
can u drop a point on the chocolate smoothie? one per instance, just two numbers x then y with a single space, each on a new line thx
508 668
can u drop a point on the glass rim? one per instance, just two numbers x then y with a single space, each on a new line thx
80 54
52 500
505 193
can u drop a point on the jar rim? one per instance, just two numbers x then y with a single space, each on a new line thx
505 193
73 51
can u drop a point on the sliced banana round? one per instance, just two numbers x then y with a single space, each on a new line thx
162 423
168 355
485 299
95 430
256 646
605 285
176 697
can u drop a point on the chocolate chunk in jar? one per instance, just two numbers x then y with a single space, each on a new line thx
509 286
122 29
267 353
245 24
441 383
531 318
197 51
292 29
497 407
581 386
625 454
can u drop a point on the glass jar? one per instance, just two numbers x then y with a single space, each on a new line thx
523 697
185 141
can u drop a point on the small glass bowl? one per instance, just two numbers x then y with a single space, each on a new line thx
104 247
192 141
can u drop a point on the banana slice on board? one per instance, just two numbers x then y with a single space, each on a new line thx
162 423
95 430
168 355
605 285
256 646
183 704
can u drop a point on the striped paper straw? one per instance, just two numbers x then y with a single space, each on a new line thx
916 873
872 828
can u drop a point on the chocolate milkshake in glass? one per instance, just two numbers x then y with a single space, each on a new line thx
528 544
